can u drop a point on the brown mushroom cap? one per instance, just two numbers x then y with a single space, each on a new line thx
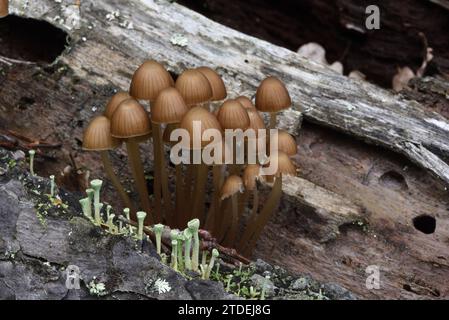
207 119
148 80
231 186
194 87
216 83
285 165
113 103
286 143
272 96
232 115
130 120
255 120
250 175
169 107
97 136
245 102
4 10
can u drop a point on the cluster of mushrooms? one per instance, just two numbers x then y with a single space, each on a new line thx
231 211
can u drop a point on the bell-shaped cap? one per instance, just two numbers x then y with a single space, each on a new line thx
285 165
250 175
245 102
150 79
232 115
97 136
216 83
130 120
286 143
201 116
232 185
113 103
194 87
256 122
169 107
4 10
272 96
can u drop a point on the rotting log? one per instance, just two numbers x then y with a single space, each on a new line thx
110 51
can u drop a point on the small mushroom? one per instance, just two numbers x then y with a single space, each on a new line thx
114 102
194 88
232 115
250 175
286 143
97 137
285 167
216 82
169 108
231 188
149 80
272 96
246 103
4 8
207 121
129 122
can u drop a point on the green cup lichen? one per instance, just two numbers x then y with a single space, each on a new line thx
31 153
141 215
194 225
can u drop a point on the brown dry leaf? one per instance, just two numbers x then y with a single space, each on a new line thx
401 78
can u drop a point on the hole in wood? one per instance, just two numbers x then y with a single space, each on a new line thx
393 180
425 223
30 39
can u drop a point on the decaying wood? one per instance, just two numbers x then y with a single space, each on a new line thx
357 108
313 230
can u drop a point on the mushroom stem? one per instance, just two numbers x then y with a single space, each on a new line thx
139 177
163 179
199 191
232 234
188 182
265 214
212 214
157 173
273 120
251 221
114 179
179 195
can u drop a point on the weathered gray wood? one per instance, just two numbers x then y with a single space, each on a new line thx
442 3
358 108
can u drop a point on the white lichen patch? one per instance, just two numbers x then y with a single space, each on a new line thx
179 40
161 286
97 288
